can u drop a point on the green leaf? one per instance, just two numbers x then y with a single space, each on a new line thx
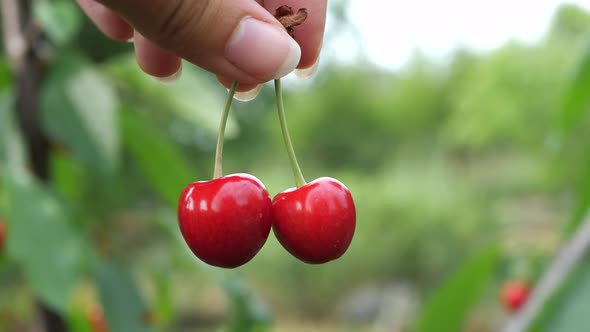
569 310
249 313
576 101
163 298
6 79
449 306
42 241
78 108
78 320
68 177
11 145
60 19
162 164
582 204
192 97
123 306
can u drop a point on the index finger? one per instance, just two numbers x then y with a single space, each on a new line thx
310 33
111 24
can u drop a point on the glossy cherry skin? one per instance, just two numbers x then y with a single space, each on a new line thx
514 295
225 221
315 222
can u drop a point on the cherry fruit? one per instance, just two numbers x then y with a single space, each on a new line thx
2 235
227 220
514 295
96 319
315 222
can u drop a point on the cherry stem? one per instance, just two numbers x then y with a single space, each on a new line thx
299 180
218 168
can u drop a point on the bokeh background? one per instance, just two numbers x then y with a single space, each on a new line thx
469 165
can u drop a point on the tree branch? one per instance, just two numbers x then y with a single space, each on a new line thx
14 38
563 264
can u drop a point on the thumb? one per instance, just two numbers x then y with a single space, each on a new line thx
236 39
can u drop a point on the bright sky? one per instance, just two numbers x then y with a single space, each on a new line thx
391 30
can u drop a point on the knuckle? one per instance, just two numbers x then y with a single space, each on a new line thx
182 18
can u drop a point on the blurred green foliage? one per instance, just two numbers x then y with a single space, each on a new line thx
452 302
564 311
443 159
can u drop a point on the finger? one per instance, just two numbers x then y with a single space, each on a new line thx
227 82
237 39
310 33
155 61
244 92
112 25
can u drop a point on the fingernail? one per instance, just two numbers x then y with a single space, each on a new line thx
130 40
306 73
262 50
172 78
248 95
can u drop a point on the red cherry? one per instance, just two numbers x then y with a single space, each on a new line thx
96 319
315 222
514 294
225 221
2 235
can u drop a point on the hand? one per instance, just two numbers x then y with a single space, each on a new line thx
235 39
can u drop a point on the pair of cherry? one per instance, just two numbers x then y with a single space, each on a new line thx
226 221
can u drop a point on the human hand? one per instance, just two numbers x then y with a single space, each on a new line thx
234 39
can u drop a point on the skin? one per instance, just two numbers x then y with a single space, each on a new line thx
164 31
